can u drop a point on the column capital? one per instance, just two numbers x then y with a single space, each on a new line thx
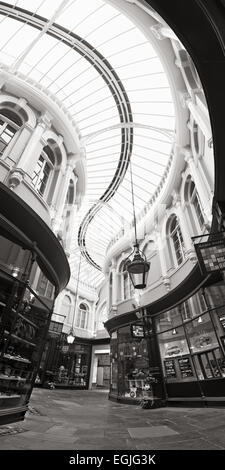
16 177
188 155
113 265
75 177
176 200
74 158
157 31
45 120
60 140
184 98
21 102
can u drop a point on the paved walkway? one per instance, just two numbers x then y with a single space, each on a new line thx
68 419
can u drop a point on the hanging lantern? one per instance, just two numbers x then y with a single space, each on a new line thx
138 268
71 337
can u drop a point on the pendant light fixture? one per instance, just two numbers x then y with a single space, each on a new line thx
136 264
71 335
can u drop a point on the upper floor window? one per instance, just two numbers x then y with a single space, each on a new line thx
82 316
43 169
66 308
177 240
7 132
195 201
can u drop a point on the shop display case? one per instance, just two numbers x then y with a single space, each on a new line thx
24 320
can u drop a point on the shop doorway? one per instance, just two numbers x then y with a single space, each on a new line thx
103 371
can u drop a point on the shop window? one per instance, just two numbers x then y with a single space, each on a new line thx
44 287
201 334
43 170
114 363
185 311
215 295
168 320
177 240
175 355
82 316
210 365
72 367
132 363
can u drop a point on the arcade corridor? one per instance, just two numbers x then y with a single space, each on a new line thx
83 420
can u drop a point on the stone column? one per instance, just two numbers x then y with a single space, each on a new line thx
13 152
200 186
69 236
114 284
162 258
29 157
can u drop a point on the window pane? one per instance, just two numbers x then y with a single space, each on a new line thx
201 334
175 356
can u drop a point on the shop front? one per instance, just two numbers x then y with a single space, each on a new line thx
136 374
180 359
33 270
65 365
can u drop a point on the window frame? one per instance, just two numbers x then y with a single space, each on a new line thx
176 231
40 175
6 123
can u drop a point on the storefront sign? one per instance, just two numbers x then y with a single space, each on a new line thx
185 367
170 368
137 331
211 254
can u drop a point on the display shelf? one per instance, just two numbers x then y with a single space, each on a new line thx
15 359
28 321
10 379
139 383
5 397
22 340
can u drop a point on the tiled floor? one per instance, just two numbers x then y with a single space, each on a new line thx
68 419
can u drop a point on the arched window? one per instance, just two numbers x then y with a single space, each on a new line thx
82 316
177 240
66 308
9 125
43 169
110 289
195 201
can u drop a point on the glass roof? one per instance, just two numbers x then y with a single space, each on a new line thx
104 70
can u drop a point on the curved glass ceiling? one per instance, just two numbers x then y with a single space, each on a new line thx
106 73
